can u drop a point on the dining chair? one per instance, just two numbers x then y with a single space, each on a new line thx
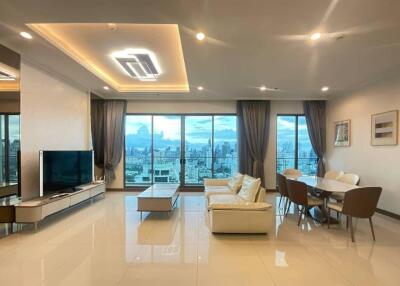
349 178
292 172
333 174
358 203
282 189
298 194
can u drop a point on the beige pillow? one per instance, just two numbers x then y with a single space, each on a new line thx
249 188
235 182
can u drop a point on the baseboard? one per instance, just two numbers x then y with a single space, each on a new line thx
387 213
271 190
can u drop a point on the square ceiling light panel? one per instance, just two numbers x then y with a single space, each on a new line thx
127 57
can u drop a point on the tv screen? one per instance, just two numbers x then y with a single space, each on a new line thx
61 171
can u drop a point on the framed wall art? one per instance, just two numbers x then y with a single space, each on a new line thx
384 128
343 133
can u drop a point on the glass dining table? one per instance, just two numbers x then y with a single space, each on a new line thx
323 188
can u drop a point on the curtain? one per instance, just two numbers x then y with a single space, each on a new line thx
97 126
114 133
253 123
314 112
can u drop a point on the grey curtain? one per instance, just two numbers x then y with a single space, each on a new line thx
314 111
253 126
97 125
114 132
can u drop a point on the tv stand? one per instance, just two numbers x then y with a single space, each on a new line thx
35 210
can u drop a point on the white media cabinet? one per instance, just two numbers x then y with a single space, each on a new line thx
35 210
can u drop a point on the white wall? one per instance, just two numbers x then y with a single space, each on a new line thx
178 107
54 116
376 165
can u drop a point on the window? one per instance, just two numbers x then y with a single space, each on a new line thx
182 149
294 148
9 147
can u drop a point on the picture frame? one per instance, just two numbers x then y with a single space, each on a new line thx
342 133
384 128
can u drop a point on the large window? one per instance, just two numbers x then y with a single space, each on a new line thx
293 146
9 147
182 149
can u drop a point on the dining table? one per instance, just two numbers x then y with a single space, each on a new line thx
323 188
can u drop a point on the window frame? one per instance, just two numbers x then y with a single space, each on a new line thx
182 182
296 147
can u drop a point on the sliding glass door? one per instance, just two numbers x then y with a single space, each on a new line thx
181 149
9 147
293 146
166 149
198 149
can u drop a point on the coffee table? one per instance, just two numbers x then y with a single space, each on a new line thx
158 198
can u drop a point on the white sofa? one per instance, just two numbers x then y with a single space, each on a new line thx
230 212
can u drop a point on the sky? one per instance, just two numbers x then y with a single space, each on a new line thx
198 129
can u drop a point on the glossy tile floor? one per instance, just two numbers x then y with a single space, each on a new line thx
106 243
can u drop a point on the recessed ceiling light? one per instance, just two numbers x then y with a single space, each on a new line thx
200 88
315 36
263 88
141 64
26 35
325 88
106 87
200 36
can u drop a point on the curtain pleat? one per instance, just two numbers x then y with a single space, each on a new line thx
97 126
114 134
314 111
253 127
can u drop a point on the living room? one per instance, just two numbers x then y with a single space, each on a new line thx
199 143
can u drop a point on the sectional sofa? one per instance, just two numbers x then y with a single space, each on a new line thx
237 205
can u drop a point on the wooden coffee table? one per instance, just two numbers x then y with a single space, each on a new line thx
158 198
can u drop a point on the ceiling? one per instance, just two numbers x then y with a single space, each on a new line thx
249 43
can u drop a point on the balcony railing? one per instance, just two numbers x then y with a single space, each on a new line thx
308 166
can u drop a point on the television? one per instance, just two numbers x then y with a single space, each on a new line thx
64 171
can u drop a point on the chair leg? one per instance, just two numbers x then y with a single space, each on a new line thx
372 228
329 217
347 221
288 208
351 228
280 200
285 206
300 214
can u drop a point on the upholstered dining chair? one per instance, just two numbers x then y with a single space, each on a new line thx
298 194
358 203
282 189
349 178
333 174
292 173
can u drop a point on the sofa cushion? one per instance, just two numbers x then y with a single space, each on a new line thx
217 190
234 202
249 189
235 182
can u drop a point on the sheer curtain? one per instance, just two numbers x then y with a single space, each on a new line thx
253 132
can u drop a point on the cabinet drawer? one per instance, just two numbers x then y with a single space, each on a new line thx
54 207
83 196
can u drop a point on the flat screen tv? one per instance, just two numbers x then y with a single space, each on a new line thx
63 171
